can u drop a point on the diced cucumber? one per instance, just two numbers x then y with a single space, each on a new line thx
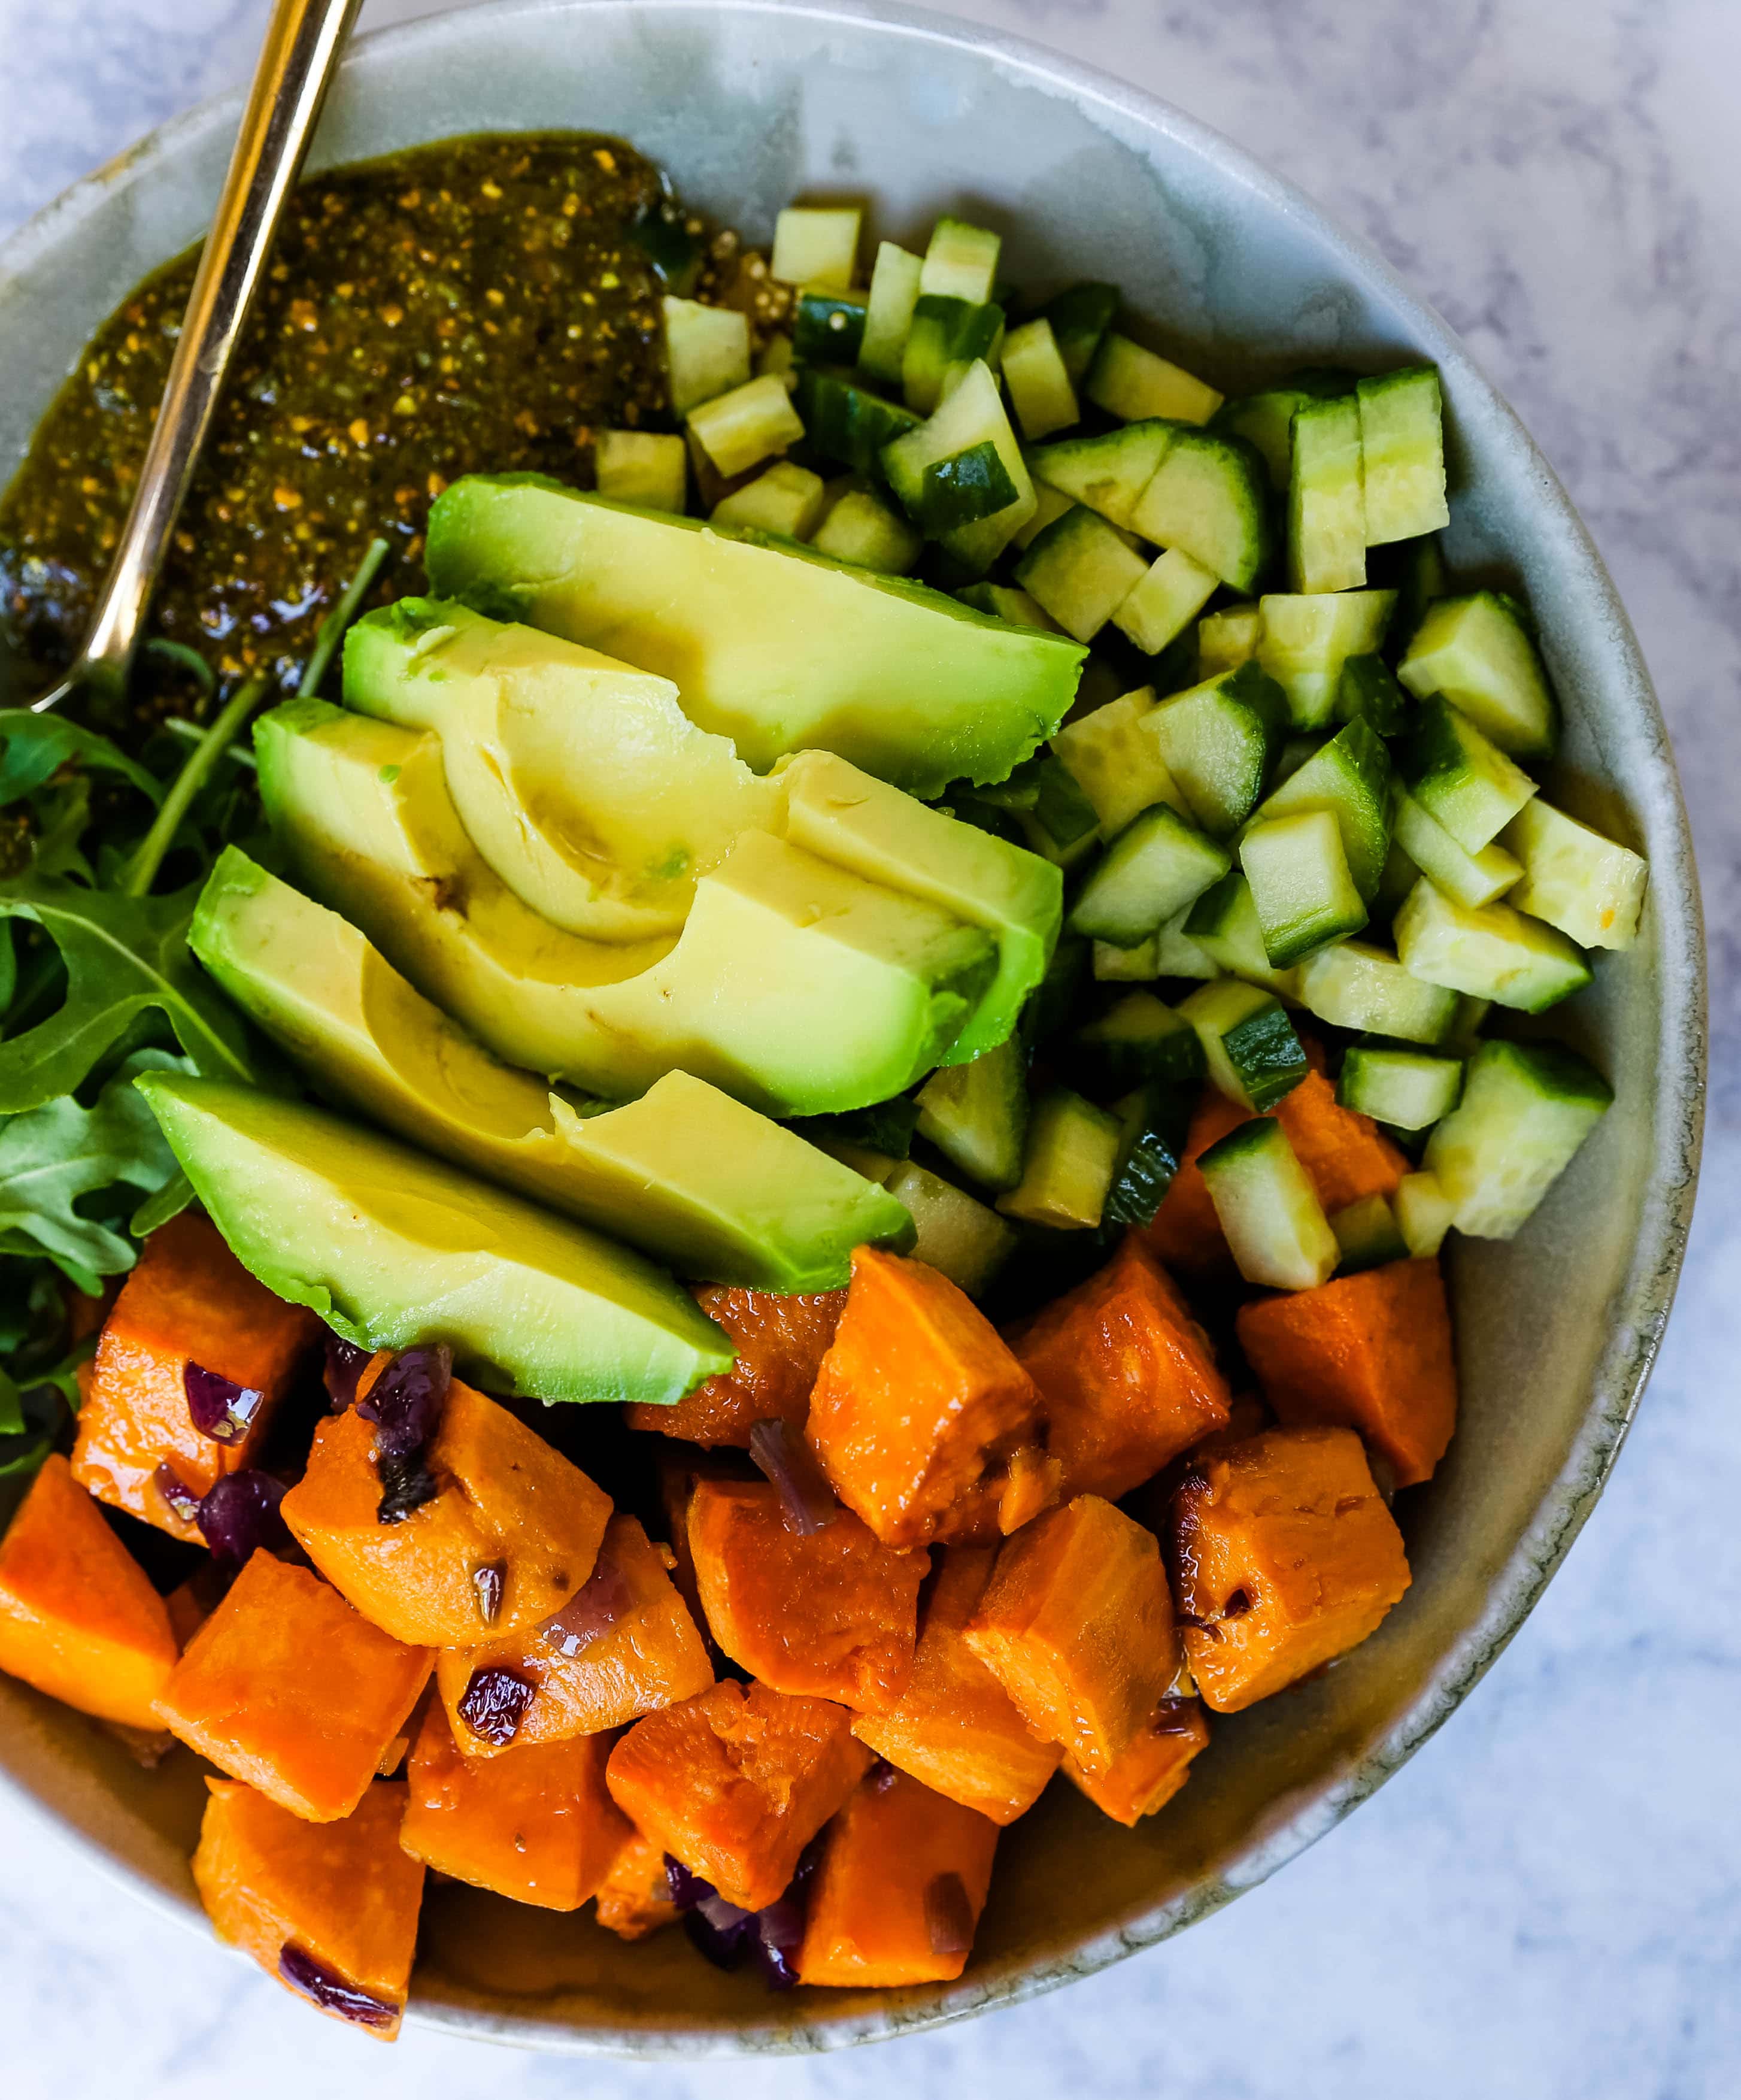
1052 1003
1351 777
1403 453
1326 505
1217 740
1227 638
1418 569
1294 752
1044 788
828 326
1299 880
888 312
946 334
1176 954
1463 1039
859 527
960 264
740 429
1082 570
1465 783
1490 952
976 1115
1224 924
1407 1088
1251 1050
1476 651
962 489
816 245
1139 1039
1266 420
1307 638
1071 1153
1397 877
850 423
1049 506
1367 692
959 1237
1133 384
1114 965
1207 497
1423 1214
1164 604
1156 867
706 352
1004 601
973 413
1368 1235
1080 317
776 360
1470 879
1268 1209
1358 986
1153 1121
1526 1107
1039 383
642 467
1110 472
1588 886
786 499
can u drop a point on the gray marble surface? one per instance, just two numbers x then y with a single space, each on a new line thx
1544 1905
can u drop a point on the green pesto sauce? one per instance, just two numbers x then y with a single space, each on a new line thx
480 304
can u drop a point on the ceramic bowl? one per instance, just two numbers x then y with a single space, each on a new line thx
748 105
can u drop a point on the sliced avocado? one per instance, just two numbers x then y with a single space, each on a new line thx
776 647
686 1173
579 780
391 1248
798 986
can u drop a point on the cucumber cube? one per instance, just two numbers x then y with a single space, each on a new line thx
1071 1153
1268 1209
1164 604
1368 1235
776 360
972 414
1465 783
1423 1214
1588 886
1140 1039
1049 506
1228 638
1156 867
787 500
1153 1121
1368 692
1224 924
1526 1107
1117 766
957 1235
1403 450
740 429
1326 499
1217 740
706 352
976 1115
1350 776
1468 879
1476 651
960 264
829 326
888 312
643 467
859 527
1208 498
850 423
1134 384
1492 952
1265 421
1137 965
1249 1048
1108 473
1358 986
1306 640
1176 954
815 245
1408 1089
1082 570
967 486
946 334
1039 382
1300 884
1080 317
1004 601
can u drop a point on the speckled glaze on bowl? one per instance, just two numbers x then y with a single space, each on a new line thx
749 104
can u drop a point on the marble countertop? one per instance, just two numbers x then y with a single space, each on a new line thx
1544 1905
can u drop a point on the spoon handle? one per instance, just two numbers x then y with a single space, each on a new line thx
303 41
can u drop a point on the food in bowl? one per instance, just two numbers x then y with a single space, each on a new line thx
726 957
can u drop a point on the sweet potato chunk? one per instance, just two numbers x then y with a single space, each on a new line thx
188 1303
1370 1351
636 1898
287 1687
832 1615
918 1405
897 1896
1127 1376
78 1618
955 1728
781 1337
1286 1557
1186 1232
329 1909
1076 1626
1152 1766
534 1825
515 1529
736 1782
623 1646
1345 1154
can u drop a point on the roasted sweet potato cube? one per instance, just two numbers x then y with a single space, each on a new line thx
511 1536
285 1687
830 1615
1127 1376
897 1895
1370 1351
189 1303
1345 1154
919 1404
1076 1626
636 1898
781 1337
955 1728
330 1909
623 1646
534 1825
736 1782
78 1618
1152 1766
1186 1232
1285 1557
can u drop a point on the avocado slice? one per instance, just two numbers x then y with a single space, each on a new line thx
771 644
686 1173
580 780
391 1248
797 985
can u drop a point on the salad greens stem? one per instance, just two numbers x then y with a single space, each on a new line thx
191 732
333 626
142 870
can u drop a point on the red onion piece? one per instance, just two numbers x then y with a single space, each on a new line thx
405 1403
949 1915
176 1492
302 1973
240 1516
220 1408
808 1501
489 1580
601 1602
494 1703
1174 1717
344 1366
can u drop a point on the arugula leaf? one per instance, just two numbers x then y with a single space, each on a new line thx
123 955
31 1417
34 747
12 1408
8 968
173 1198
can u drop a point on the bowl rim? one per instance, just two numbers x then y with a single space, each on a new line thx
1639 1313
